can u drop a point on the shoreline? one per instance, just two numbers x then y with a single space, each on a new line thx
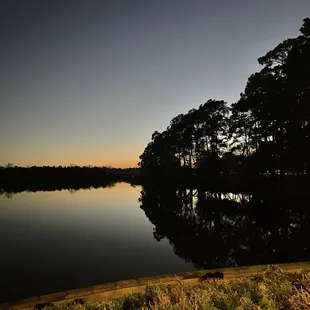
119 289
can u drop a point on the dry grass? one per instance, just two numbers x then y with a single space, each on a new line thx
272 289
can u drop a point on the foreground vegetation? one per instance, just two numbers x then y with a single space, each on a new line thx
272 289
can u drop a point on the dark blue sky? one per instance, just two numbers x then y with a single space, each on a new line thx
87 82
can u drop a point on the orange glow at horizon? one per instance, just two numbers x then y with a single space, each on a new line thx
114 163
67 156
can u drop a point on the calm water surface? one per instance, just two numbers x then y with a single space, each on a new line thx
53 241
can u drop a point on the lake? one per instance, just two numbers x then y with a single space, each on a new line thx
53 241
60 240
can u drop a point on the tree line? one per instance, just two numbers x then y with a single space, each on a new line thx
16 179
266 132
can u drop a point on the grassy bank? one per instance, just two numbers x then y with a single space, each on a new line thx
271 289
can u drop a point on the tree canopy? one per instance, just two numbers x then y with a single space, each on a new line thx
267 131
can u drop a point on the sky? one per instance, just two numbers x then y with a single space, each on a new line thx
88 82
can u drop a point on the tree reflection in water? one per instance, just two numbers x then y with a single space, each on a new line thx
224 229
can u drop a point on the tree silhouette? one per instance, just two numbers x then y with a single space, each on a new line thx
265 133
17 179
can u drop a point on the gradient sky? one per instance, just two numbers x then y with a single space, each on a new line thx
87 82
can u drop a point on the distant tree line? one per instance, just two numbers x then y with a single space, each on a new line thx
267 132
16 179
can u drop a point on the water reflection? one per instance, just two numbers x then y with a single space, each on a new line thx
10 191
54 241
226 229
